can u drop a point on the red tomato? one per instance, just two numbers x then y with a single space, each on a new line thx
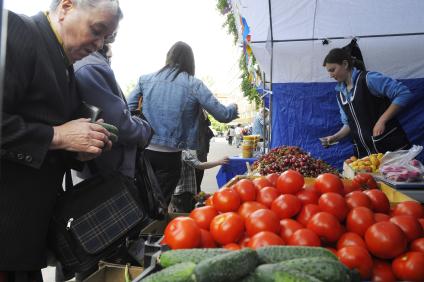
385 240
248 207
286 206
244 241
382 271
351 239
328 182
206 239
349 186
356 257
208 201
262 220
326 226
306 213
421 220
261 182
417 245
267 195
264 238
359 219
409 208
246 190
203 216
357 199
182 233
409 225
226 200
365 181
379 201
333 203
312 187
304 237
227 228
308 196
409 266
290 182
381 217
273 178
232 247
288 227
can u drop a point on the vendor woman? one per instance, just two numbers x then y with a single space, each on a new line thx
369 103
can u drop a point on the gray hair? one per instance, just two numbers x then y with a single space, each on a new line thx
89 3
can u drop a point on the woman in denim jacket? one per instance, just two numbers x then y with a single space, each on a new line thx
172 101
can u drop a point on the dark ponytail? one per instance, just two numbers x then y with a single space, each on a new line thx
338 55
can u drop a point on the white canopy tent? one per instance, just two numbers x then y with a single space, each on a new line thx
290 38
390 34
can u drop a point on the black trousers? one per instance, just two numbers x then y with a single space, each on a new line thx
167 167
199 178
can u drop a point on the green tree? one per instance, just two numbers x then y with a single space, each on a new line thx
129 87
218 126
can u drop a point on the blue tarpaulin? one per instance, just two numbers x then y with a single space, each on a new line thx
303 112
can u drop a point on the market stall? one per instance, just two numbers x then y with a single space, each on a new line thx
290 39
287 227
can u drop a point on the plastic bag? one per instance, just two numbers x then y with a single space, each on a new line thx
401 166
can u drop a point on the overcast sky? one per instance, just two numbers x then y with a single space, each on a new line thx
149 29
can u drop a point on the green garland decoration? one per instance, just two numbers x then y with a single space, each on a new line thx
248 89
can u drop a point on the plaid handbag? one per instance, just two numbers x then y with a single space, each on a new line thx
93 219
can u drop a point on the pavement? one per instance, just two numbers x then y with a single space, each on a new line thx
219 148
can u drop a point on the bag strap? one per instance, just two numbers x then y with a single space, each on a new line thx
68 180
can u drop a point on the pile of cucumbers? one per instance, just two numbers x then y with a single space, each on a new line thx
272 263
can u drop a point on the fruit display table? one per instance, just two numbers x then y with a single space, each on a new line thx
236 166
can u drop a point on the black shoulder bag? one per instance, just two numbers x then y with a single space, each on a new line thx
94 219
151 194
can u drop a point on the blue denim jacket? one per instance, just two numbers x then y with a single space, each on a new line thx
174 107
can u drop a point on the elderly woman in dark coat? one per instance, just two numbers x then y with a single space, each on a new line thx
40 136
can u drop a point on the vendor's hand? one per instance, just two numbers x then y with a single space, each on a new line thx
224 160
326 141
379 128
81 136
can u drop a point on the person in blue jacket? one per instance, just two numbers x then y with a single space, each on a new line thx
97 86
173 100
369 103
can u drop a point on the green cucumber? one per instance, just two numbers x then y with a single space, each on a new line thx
231 266
182 272
275 254
322 268
293 276
250 278
109 127
194 255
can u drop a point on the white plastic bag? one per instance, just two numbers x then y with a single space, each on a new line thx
401 166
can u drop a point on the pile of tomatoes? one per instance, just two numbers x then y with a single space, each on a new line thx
359 226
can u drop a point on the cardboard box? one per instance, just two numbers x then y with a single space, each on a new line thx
109 272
